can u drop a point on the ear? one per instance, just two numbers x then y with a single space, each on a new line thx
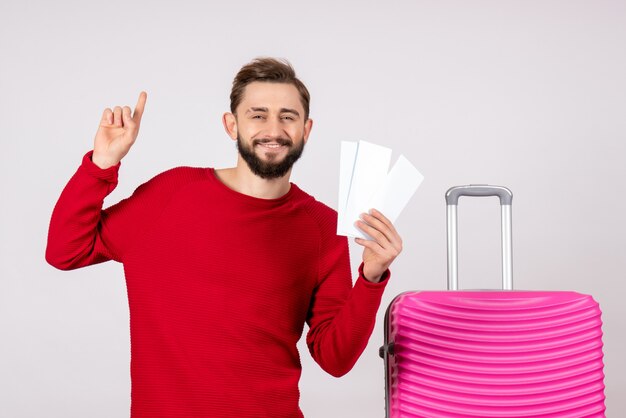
230 125
308 125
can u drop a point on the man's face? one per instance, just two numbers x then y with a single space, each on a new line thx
270 128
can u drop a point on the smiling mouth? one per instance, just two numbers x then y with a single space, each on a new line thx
271 145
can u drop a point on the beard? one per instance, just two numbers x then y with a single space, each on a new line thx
269 169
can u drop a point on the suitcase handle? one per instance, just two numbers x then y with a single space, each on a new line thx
452 200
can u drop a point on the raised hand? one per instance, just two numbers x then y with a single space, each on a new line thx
385 247
117 133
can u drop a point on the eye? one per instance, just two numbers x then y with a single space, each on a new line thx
287 118
258 117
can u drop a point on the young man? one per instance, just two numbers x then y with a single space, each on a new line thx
224 267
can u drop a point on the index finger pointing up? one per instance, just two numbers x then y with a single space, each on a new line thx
141 104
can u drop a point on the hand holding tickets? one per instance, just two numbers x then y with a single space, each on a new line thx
384 246
365 184
370 200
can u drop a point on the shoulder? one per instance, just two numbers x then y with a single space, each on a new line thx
173 179
333 248
181 174
323 215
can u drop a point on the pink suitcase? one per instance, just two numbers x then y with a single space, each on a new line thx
498 354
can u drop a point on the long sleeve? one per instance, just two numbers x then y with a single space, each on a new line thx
341 317
81 233
75 235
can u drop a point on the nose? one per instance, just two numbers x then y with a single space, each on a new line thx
274 129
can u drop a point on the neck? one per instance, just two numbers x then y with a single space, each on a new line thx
242 180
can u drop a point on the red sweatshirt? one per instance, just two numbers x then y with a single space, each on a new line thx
220 285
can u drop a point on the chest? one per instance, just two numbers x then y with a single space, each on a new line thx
207 248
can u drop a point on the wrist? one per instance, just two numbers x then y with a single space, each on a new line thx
372 279
109 175
101 162
373 276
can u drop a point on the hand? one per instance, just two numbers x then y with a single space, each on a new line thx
385 247
117 133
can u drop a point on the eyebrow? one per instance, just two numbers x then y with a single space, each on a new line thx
265 109
257 109
286 110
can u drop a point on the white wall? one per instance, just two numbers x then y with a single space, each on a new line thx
526 94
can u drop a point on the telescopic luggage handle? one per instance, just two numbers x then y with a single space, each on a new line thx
452 200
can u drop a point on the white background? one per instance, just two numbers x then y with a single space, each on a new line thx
525 94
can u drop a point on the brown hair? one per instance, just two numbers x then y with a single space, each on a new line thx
268 70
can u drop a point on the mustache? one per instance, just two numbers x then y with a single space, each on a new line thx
279 141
